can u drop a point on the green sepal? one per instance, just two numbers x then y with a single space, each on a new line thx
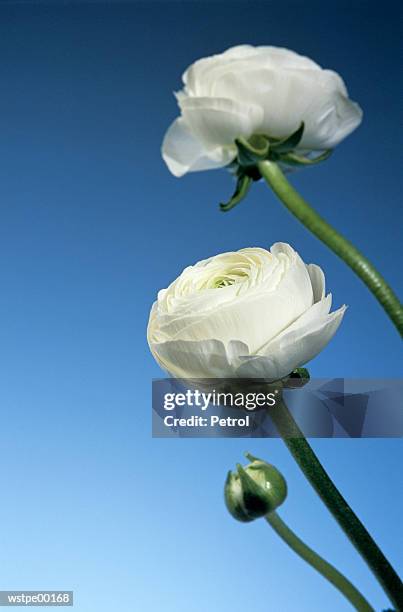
232 502
252 151
298 160
288 144
251 457
300 373
242 187
298 378
254 501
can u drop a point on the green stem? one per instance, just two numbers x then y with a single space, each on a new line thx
275 178
335 502
327 570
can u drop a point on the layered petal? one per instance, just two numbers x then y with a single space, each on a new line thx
288 97
276 298
201 359
317 281
201 77
219 121
183 152
295 346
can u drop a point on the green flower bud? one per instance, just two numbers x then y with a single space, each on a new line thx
254 490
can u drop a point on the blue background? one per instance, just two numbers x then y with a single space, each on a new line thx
92 225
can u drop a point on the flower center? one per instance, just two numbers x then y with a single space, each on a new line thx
225 280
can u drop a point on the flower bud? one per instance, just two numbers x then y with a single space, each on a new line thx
254 490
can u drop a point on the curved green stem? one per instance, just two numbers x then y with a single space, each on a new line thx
335 502
275 178
327 570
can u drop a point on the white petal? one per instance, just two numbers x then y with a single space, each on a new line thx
318 282
342 118
286 59
182 152
239 52
311 317
216 122
294 347
288 97
198 76
201 77
303 341
258 367
330 115
204 359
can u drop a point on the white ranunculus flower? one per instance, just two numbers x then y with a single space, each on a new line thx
248 314
255 90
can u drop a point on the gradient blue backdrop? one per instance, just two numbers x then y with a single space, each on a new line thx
92 225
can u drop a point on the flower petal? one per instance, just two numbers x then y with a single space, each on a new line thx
202 359
182 152
318 282
289 96
218 121
283 58
296 345
200 77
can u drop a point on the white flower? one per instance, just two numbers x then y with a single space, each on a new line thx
255 90
248 314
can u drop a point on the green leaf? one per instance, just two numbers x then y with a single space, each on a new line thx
242 187
289 143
